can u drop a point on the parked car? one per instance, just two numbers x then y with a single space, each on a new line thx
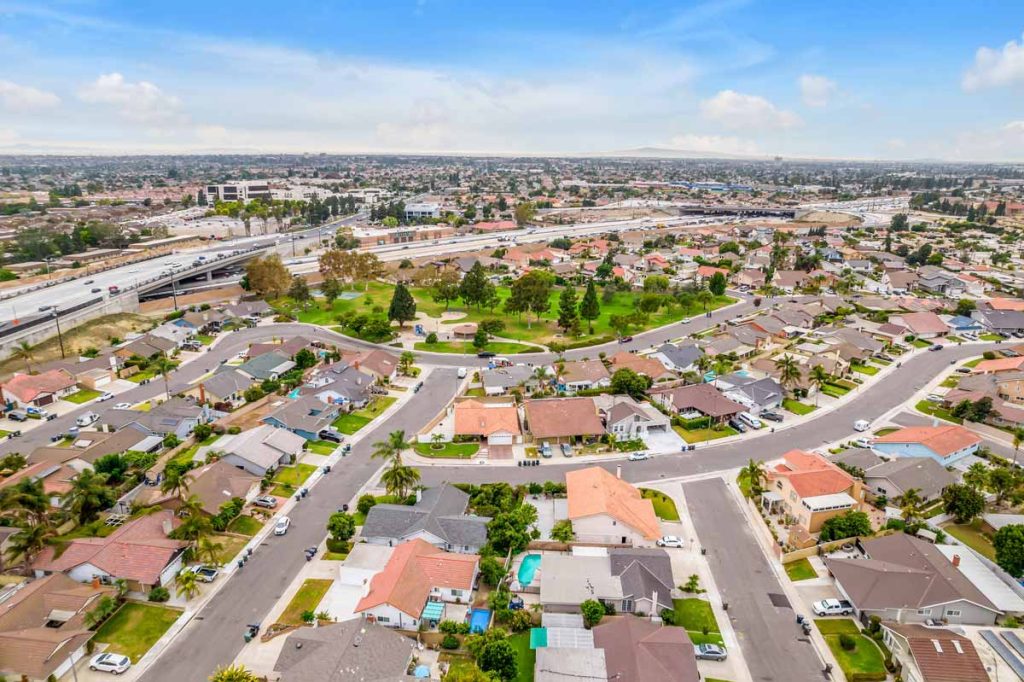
934 398
485 354
625 339
331 435
861 425
832 607
95 290
709 652
123 406
863 442
935 346
772 416
17 416
266 501
884 357
462 372
34 412
638 456
545 450
670 541
204 574
106 395
963 370
750 420
686 320
110 663
738 425
282 525
87 419
566 450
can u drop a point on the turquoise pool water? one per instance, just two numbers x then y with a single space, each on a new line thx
479 620
531 562
294 393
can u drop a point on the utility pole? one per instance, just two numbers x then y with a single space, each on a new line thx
174 294
56 319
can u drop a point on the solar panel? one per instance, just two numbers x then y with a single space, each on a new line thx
1004 652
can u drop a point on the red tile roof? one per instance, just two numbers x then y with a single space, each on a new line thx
811 475
28 387
594 491
942 440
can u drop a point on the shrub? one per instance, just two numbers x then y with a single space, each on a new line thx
847 642
535 488
253 393
202 431
450 642
234 430
453 627
668 616
159 594
431 338
519 620
338 546
366 502
308 616
988 355
593 611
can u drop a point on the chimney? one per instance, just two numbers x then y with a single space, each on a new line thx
167 526
956 561
95 582
202 393
618 471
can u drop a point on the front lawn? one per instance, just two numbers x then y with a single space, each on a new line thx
696 616
287 479
446 450
886 431
664 506
321 447
525 656
205 339
936 410
970 534
920 343
864 369
837 626
800 570
864 662
701 435
834 390
353 421
797 407
230 546
135 628
989 336
307 598
82 396
245 525
467 347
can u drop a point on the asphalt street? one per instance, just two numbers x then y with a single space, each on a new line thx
764 621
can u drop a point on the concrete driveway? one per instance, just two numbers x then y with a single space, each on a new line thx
664 441
346 591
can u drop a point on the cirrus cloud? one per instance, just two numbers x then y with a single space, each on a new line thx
738 111
996 68
17 97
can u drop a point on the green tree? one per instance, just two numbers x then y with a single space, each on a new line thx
491 570
23 351
473 288
28 542
88 496
531 294
164 366
629 382
1001 481
568 315
299 291
910 505
965 307
511 530
819 377
562 531
755 473
962 502
234 673
593 612
499 658
1009 545
186 584
331 289
341 526
789 371
590 307
847 525
405 362
717 284
480 339
976 476
524 212
403 306
268 277
446 287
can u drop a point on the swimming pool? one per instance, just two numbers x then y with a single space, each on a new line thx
479 620
294 393
527 569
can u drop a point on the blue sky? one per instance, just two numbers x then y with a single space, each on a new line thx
813 79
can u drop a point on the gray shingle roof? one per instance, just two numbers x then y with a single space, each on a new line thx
643 572
339 652
923 473
440 511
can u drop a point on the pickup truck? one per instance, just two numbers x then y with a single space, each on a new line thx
832 607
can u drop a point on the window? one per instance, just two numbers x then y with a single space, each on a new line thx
924 612
627 605
456 593
953 613
383 619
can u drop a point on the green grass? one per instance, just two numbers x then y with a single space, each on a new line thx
702 435
920 343
186 455
447 450
973 363
837 626
4 434
83 395
988 336
475 393
797 407
230 546
245 525
936 410
353 421
664 506
205 339
834 390
864 369
334 556
525 656
310 593
743 481
135 628
972 536
321 447
467 348
287 479
950 382
865 661
695 615
886 431
800 570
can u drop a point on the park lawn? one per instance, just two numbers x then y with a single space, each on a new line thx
525 656
864 369
287 479
935 410
695 615
316 312
321 447
135 628
702 435
353 421
467 347
800 570
664 506
308 598
447 450
245 525
970 534
797 407
82 396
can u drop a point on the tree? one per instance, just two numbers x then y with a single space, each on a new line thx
510 530
965 307
176 480
446 287
717 284
976 476
480 339
341 526
962 502
819 377
399 480
88 496
590 307
1001 482
562 531
755 473
403 306
186 584
910 504
331 289
29 541
1009 545
491 570
789 371
593 612
473 288
629 382
524 212
23 351
305 358
898 223
405 362
299 291
164 366
499 658
568 315
234 673
704 297
268 277
847 525
531 294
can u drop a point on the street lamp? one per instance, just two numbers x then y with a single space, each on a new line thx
56 319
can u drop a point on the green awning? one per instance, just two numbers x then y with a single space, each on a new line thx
432 611
538 638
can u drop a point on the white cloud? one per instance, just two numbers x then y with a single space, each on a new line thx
816 91
719 144
1005 143
995 68
142 102
737 111
25 98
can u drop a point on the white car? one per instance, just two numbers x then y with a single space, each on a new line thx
110 663
462 372
87 419
863 442
670 541
282 525
638 456
686 320
832 607
123 406
107 395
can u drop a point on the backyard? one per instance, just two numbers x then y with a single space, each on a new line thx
446 450
971 535
800 569
353 421
308 597
525 656
699 620
287 479
664 507
135 628
864 661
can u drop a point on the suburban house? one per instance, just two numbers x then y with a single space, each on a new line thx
439 517
924 325
678 358
306 416
379 363
492 423
267 366
287 347
146 346
340 384
202 321
945 444
42 625
581 375
604 508
340 652
930 654
812 489
37 390
89 446
417 577
139 552
698 400
174 333
248 310
635 581
176 416
561 663
226 387
899 475
627 419
641 364
55 476
562 420
261 449
757 395
640 650
904 579
501 380
212 484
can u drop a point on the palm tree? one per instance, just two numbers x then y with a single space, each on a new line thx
209 550
383 449
28 542
819 377
89 495
398 480
186 584
175 482
405 362
910 504
704 363
1018 438
976 476
789 371
704 297
234 673
164 366
756 474
23 351
25 501
540 373
723 365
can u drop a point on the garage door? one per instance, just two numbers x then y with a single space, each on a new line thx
44 399
102 381
500 439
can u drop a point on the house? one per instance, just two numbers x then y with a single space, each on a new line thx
226 388
43 625
934 280
945 444
252 310
1010 364
176 416
812 489
287 347
749 278
439 517
174 333
640 650
494 423
340 384
562 419
262 449
89 446
757 395
1000 321
340 652
267 366
56 478
501 380
416 576
580 375
37 390
146 346
698 400
896 477
379 363
856 458
678 358
569 664
139 552
203 321
925 325
604 508
627 419
305 416
635 581
930 654
790 280
904 579
899 281
212 484
641 364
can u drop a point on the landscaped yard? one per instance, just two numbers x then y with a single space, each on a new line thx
800 570
701 435
864 369
886 431
864 661
446 450
664 507
989 336
353 421
525 656
306 599
920 343
321 447
971 535
834 390
696 616
936 410
135 628
797 407
467 348
287 479
245 525
83 395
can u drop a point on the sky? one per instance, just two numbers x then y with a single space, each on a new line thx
867 80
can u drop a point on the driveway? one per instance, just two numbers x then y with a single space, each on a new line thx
664 441
765 623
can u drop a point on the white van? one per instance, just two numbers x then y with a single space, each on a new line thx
750 420
462 372
87 419
861 425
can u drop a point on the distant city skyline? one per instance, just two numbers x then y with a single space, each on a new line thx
913 80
